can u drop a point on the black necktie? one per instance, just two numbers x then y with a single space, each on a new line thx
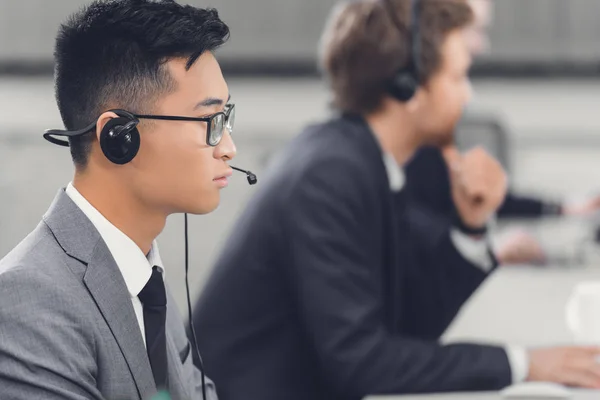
154 299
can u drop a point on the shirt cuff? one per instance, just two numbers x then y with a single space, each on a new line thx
518 360
473 249
552 208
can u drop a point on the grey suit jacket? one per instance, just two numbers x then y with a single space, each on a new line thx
68 330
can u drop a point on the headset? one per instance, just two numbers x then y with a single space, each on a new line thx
120 143
406 82
119 139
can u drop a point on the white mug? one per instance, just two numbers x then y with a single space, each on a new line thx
583 313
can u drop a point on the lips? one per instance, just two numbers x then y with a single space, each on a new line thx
223 179
225 176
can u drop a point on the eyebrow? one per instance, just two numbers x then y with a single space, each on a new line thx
211 101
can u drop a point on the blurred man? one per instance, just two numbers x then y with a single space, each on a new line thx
328 288
84 309
428 174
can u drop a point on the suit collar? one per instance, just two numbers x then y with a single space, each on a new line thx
73 231
135 267
79 239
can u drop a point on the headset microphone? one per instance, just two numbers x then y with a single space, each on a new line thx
252 179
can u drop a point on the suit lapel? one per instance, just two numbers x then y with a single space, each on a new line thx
393 211
177 388
79 239
106 285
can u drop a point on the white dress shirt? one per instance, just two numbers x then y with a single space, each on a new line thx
135 267
474 250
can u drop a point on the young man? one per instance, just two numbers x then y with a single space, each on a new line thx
427 172
83 304
328 289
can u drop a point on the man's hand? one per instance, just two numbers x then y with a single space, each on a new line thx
585 207
572 366
478 184
519 248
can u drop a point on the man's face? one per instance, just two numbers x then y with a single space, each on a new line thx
175 170
445 96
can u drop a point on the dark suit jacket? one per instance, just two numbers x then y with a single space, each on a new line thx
428 182
319 295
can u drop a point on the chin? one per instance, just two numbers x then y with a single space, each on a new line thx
197 205
205 205
441 140
201 209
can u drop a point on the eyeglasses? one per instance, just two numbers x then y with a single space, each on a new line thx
215 123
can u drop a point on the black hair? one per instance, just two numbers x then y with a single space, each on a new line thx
113 53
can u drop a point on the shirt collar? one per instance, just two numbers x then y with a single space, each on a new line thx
395 173
135 267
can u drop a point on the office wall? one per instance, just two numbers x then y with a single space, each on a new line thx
287 31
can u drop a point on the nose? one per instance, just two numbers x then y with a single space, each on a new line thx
226 149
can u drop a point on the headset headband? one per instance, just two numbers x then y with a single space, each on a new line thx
50 134
414 31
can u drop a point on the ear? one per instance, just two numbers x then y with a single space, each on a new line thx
102 120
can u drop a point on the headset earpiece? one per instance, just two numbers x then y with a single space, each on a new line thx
403 86
120 138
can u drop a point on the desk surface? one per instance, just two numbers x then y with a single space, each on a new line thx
576 394
516 305
520 305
